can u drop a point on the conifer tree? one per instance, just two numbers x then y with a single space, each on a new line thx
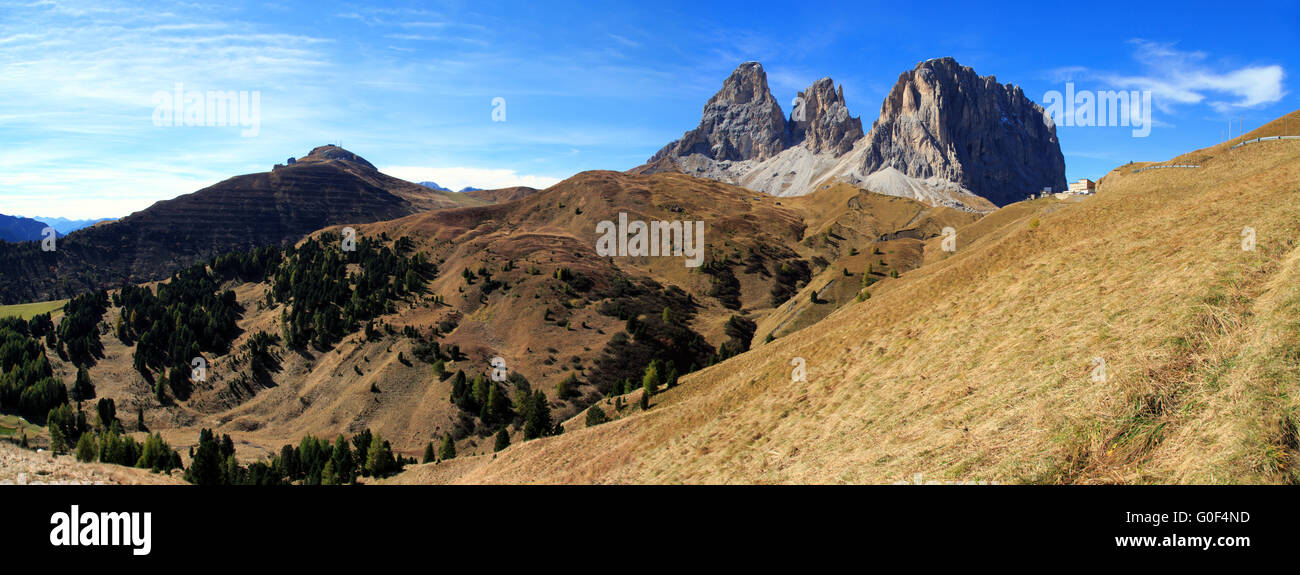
596 416
328 476
206 466
57 441
448 450
379 458
650 382
538 421
83 389
342 459
86 448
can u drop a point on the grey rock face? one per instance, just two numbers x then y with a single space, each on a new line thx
822 120
942 123
943 120
741 122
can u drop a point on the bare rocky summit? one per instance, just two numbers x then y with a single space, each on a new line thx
943 120
945 136
741 122
821 118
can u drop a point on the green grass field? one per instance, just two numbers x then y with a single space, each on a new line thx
27 310
10 425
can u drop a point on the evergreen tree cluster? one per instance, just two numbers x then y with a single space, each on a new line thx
650 336
723 284
78 332
314 461
790 277
740 331
489 407
28 386
484 398
250 266
185 317
106 442
113 446
327 301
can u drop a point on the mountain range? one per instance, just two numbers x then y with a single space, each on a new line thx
435 186
945 136
23 229
66 226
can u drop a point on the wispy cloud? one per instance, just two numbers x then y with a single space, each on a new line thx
1178 77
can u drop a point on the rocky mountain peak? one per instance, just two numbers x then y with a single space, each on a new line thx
331 152
950 136
943 120
740 122
821 118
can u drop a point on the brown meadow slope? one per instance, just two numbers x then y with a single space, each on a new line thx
543 328
982 364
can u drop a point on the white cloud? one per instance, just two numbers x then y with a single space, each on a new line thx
1178 77
459 177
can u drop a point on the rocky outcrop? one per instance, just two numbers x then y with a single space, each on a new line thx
331 152
741 122
821 120
943 120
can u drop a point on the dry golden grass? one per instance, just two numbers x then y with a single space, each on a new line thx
329 393
977 365
20 466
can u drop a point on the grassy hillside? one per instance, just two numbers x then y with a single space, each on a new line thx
981 364
521 280
27 310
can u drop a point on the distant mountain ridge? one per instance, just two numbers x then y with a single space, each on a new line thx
20 229
329 186
65 226
945 136
435 186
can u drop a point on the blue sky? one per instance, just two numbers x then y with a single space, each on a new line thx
598 85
